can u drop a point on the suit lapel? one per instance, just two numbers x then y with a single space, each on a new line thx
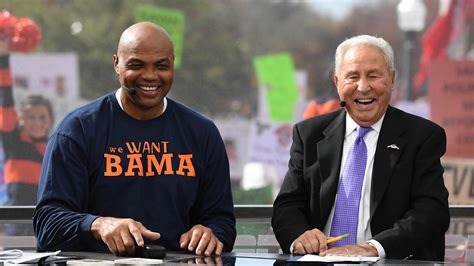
329 156
390 145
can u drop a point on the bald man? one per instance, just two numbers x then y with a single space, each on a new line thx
136 167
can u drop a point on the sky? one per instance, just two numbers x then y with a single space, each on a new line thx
335 8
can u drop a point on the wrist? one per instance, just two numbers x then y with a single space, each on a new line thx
371 248
95 227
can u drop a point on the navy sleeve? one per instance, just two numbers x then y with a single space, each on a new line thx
214 207
60 220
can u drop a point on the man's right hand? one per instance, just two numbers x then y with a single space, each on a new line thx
120 234
310 242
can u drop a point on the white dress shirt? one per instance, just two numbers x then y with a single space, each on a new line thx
363 229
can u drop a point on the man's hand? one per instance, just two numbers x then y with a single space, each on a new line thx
120 235
364 250
217 260
310 242
201 239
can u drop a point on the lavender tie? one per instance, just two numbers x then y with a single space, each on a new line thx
346 213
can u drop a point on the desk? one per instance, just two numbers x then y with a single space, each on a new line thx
459 238
233 259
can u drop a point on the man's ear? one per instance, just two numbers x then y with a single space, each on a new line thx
336 80
115 62
336 83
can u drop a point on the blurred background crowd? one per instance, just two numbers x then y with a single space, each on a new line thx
255 68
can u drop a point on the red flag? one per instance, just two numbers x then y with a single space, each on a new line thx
444 30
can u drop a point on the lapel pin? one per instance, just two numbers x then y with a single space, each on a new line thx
393 146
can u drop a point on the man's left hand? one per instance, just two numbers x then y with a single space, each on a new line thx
202 240
364 250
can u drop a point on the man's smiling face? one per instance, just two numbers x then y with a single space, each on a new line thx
365 83
144 63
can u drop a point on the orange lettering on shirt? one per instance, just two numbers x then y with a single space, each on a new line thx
185 162
146 147
165 161
112 165
132 148
155 147
134 162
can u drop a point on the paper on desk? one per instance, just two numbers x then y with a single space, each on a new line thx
30 256
10 254
126 262
336 258
90 262
137 261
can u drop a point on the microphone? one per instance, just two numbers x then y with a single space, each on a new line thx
342 104
131 90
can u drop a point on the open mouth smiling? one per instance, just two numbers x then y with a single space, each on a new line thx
364 101
149 88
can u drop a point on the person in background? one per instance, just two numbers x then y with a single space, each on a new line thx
323 104
316 108
368 170
24 136
3 194
136 167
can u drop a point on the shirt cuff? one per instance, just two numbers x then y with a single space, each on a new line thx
379 248
291 247
85 227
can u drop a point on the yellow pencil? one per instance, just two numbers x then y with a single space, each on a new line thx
336 238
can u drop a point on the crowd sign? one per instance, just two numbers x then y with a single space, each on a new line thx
276 73
459 180
451 96
269 144
55 75
172 20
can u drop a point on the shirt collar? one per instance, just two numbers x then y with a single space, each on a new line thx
117 96
351 125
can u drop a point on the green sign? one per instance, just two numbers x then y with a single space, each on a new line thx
172 20
276 73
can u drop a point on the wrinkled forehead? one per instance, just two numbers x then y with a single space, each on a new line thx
143 53
146 48
363 55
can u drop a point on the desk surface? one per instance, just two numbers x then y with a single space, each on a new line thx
231 259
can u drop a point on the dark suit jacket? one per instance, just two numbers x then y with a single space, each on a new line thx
409 202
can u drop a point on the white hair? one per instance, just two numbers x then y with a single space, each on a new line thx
361 40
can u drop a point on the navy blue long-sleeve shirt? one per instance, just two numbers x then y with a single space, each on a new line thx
169 173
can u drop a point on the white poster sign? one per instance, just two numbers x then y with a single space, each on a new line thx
51 74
